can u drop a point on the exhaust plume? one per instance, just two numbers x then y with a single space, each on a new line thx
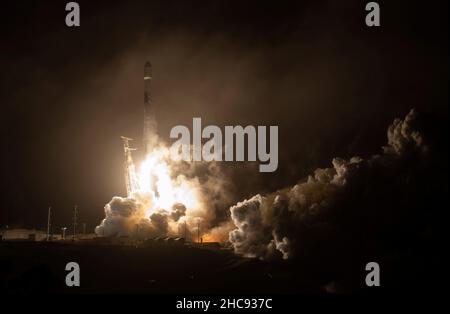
171 198
355 202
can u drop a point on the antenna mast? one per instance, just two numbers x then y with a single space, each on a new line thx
49 222
198 231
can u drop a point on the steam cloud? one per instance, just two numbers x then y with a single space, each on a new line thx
358 207
158 209
126 216
350 205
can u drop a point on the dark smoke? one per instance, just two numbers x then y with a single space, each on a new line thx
178 210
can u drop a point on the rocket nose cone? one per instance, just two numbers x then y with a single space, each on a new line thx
148 69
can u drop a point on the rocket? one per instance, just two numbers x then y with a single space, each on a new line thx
147 87
150 136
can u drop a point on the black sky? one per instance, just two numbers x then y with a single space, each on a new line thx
332 85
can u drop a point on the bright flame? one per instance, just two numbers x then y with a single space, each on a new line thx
155 177
163 202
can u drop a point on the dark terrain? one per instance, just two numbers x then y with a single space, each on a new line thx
39 267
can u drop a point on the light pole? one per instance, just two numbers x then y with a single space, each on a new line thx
49 217
74 222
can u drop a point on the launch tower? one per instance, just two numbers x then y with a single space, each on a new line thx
131 179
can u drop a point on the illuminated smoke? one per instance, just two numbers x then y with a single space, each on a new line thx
331 207
171 201
340 202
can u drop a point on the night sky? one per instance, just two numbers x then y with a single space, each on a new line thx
331 84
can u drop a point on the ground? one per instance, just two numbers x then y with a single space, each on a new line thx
39 267
28 267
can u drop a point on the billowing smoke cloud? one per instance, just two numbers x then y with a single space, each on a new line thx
128 216
356 203
131 217
178 211
359 207
403 135
174 198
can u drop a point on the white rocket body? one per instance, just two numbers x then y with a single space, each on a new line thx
150 136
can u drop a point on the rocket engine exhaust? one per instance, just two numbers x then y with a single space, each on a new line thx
163 197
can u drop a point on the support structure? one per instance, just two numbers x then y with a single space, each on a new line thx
131 179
